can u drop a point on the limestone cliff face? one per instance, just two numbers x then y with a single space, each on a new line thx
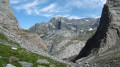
10 27
107 36
7 17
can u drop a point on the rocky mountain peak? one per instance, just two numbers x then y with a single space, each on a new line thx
114 6
107 35
62 25
113 2
59 17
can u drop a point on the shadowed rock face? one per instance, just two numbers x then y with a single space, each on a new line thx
59 25
108 32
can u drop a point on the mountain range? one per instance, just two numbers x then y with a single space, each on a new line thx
65 36
61 42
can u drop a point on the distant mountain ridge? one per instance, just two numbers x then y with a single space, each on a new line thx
61 32
61 23
64 27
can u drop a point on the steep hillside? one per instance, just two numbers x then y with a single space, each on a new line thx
21 47
10 27
66 47
102 50
12 54
62 35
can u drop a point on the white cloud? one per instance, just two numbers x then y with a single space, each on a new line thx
73 3
36 11
49 8
16 1
28 7
48 15
37 7
85 3
31 7
77 17
74 17
52 10
94 16
63 15
69 16
103 1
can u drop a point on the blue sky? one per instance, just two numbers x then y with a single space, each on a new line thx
29 12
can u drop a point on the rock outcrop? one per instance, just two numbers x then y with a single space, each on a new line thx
104 46
11 28
7 17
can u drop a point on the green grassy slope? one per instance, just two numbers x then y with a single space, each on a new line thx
6 52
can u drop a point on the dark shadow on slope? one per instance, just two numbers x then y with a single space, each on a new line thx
100 34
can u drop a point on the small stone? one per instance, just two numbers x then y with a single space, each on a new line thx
10 65
95 64
52 65
43 61
25 64
13 58
0 56
13 48
41 66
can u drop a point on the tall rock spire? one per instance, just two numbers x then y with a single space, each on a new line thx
108 32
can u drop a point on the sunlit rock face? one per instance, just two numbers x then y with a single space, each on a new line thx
10 27
7 17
